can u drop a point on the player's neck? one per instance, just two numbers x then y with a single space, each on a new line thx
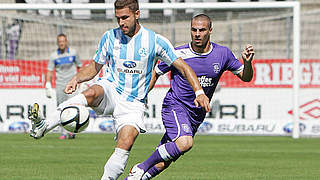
62 50
137 29
200 50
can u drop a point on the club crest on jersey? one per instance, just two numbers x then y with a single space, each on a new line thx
216 67
142 52
186 128
129 64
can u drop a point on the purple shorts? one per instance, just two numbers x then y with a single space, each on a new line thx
177 122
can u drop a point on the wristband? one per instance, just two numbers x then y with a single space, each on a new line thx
198 92
48 85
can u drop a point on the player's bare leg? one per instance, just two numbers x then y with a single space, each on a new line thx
118 160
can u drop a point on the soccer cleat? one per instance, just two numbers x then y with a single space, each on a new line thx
135 173
39 125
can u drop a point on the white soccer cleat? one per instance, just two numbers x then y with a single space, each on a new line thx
39 125
135 173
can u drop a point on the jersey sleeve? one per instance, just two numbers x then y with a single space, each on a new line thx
233 64
51 64
101 53
162 68
164 50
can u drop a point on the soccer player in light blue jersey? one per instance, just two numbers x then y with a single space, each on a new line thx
180 115
66 62
129 53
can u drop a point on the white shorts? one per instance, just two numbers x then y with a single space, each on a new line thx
123 111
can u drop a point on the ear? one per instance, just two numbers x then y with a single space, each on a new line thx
210 30
137 14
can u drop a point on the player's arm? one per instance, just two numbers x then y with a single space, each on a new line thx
85 74
154 78
188 73
160 69
49 91
49 75
78 62
247 56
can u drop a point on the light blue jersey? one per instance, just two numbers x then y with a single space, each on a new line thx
66 67
64 63
130 60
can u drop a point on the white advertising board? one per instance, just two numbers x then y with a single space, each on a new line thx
243 111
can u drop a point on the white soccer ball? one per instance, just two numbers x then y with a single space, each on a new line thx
75 118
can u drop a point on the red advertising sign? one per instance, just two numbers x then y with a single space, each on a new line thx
268 73
22 73
277 73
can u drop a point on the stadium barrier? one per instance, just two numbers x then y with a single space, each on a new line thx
265 111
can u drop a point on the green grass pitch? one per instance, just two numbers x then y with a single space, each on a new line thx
212 157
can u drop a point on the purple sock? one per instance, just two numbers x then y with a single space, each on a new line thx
152 172
165 152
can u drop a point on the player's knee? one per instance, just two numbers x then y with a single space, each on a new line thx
89 93
186 146
184 143
93 94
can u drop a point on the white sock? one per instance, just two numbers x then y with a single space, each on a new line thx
116 164
146 176
77 99
53 119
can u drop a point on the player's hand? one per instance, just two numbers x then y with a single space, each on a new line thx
203 101
71 87
49 91
248 53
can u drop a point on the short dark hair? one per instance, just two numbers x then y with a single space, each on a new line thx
62 35
133 5
202 16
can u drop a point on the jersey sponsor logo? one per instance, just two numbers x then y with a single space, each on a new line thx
129 71
205 81
143 52
216 67
129 64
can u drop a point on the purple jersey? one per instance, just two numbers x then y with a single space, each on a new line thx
208 68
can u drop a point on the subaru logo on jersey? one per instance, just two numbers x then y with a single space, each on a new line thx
142 52
19 126
216 67
70 59
129 64
289 127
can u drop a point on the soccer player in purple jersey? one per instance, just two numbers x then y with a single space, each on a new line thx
180 116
